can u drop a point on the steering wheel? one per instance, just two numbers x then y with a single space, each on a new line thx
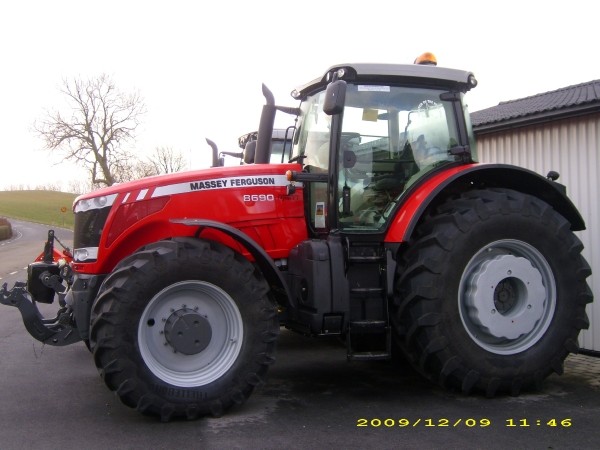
349 136
433 151
355 175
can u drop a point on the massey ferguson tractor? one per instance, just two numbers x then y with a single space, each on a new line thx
378 226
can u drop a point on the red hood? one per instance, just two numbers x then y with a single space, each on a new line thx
188 176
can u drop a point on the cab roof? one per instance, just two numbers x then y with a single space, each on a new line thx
373 73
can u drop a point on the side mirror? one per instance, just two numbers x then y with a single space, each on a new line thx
335 97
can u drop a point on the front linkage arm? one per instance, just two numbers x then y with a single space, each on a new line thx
57 331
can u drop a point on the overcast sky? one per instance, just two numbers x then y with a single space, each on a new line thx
199 65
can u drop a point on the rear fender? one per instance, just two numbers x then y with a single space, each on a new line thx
437 188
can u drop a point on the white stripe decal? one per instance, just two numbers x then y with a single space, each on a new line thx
222 183
142 194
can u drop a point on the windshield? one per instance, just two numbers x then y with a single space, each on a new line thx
312 137
390 137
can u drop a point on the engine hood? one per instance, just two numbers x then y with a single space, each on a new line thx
212 178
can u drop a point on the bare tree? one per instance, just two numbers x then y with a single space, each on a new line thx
166 160
163 160
101 121
140 169
75 186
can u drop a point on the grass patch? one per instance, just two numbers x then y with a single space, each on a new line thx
39 206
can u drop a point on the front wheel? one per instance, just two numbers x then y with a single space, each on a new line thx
183 328
491 293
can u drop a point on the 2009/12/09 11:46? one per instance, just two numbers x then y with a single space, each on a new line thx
469 422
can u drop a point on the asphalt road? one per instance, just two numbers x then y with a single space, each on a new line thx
52 397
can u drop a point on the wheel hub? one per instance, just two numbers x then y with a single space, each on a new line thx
187 332
505 297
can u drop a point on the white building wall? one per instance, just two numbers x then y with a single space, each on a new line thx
572 148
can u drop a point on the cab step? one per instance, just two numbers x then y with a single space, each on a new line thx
368 340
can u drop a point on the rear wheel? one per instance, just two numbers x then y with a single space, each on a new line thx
183 328
491 293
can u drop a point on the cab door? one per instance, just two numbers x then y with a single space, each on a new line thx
390 137
312 144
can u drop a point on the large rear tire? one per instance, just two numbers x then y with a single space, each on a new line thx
183 328
491 293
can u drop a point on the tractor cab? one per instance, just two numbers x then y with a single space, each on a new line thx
364 142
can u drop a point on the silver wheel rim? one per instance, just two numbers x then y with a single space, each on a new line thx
507 297
190 333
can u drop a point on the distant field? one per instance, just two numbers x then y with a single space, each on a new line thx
38 206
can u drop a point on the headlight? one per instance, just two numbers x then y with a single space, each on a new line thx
85 254
100 202
95 203
82 205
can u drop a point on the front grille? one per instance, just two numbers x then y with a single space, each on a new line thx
89 226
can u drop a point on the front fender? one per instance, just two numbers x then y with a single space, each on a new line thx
262 259
433 190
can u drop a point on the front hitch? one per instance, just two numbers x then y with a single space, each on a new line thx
44 281
57 331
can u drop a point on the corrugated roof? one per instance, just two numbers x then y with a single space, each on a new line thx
561 102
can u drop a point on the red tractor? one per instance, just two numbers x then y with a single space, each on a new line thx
380 227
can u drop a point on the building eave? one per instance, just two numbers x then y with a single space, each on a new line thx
535 119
